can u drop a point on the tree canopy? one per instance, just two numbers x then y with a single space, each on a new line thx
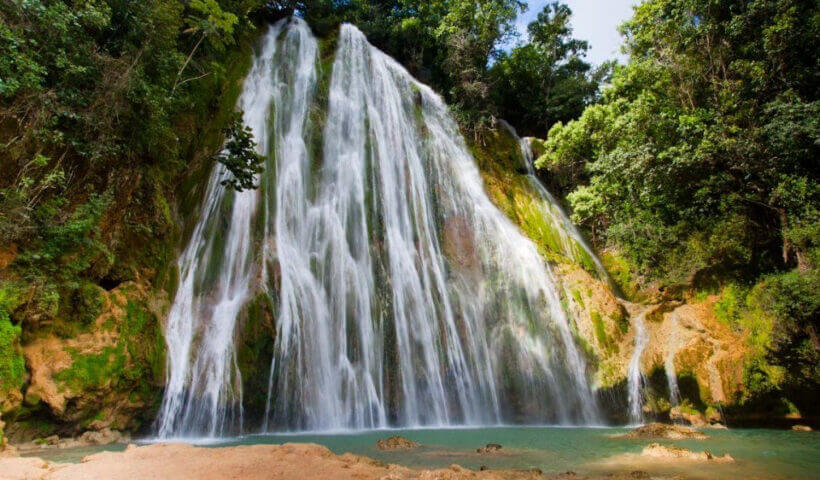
700 161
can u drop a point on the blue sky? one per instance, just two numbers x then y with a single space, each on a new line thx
595 21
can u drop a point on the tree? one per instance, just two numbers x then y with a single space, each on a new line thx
546 80
689 146
472 32
239 156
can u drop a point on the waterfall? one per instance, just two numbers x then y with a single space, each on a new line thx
403 296
203 393
572 243
669 364
672 380
635 378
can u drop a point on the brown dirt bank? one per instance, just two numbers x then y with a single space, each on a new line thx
254 462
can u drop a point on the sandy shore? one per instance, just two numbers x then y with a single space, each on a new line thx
253 462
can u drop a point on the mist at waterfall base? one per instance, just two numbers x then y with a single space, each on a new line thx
402 295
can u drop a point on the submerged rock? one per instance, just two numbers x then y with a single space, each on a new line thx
662 430
670 451
396 443
105 436
489 448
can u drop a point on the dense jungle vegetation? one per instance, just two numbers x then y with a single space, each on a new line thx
693 166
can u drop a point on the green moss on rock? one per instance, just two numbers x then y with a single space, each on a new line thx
12 364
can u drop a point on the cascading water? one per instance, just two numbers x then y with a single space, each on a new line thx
203 394
669 366
572 243
635 378
404 297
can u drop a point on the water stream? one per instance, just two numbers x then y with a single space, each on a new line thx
572 243
669 366
635 378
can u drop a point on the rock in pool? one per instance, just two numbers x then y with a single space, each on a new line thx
662 430
801 428
396 443
672 452
489 448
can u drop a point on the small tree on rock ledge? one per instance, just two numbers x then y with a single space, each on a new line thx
239 156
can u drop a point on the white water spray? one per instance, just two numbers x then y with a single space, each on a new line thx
635 378
669 365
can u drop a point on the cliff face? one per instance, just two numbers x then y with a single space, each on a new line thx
81 344
107 375
706 358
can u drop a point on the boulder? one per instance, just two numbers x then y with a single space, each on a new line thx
662 430
396 443
106 436
657 450
801 428
489 448
695 419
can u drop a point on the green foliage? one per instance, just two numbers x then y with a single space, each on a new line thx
471 32
699 167
99 107
728 308
12 366
794 300
134 363
600 331
686 163
546 80
240 157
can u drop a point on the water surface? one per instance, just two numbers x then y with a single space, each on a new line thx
770 454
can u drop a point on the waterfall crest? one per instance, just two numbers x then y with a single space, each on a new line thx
403 296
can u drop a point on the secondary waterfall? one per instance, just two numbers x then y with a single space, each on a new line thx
571 242
669 366
403 296
635 378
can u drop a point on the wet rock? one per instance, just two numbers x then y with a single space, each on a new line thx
106 436
801 428
662 430
459 246
696 419
657 450
396 443
489 448
638 474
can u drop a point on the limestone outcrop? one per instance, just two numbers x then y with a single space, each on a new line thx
672 452
662 430
396 443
